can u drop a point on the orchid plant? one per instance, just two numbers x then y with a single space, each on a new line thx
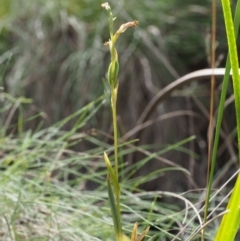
113 178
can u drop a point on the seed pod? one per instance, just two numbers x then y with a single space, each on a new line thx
113 70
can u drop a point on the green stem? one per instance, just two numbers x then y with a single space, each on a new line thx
115 131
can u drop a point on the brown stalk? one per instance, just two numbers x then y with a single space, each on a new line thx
210 130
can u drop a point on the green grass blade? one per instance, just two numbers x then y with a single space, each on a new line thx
231 220
221 108
233 59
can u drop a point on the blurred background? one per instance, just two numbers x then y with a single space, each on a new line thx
52 59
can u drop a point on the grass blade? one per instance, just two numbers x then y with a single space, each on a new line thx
221 108
231 220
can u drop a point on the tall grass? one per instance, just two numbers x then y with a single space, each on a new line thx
51 192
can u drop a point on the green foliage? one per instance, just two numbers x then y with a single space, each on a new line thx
53 178
5 8
66 31
231 220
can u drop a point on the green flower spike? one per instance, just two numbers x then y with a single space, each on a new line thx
114 65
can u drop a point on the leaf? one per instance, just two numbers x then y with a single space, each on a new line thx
125 238
115 213
134 236
231 220
112 175
134 232
143 234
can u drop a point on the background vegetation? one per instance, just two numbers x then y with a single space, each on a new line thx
55 126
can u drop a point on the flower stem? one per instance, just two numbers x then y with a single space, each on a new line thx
115 131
